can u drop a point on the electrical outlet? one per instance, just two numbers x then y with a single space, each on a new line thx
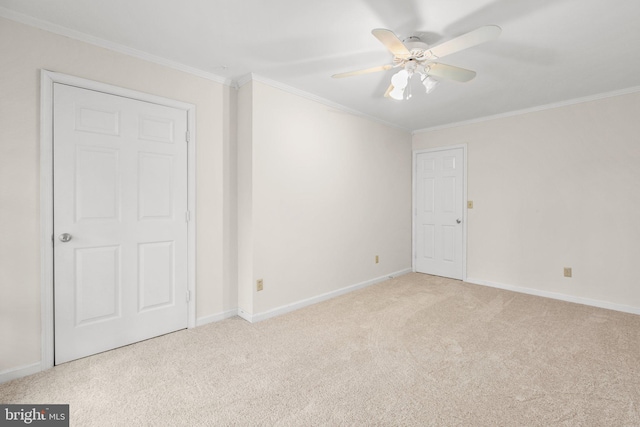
567 272
377 259
259 285
469 204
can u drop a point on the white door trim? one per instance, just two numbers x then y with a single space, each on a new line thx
464 208
48 78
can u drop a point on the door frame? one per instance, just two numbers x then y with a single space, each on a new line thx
47 80
414 207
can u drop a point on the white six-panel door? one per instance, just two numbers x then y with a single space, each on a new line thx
120 200
439 200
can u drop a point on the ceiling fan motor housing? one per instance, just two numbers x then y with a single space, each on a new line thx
417 49
414 43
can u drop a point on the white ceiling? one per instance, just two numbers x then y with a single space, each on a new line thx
550 51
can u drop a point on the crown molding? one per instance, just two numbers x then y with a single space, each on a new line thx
244 80
116 47
596 97
294 91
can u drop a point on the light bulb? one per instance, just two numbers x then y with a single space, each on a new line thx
429 83
400 79
397 93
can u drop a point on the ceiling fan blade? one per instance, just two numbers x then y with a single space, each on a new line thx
449 72
391 42
389 89
465 41
365 71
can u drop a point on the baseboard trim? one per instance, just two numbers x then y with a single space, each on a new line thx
19 372
23 371
246 316
216 317
558 296
258 317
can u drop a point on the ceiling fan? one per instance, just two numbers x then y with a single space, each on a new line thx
413 56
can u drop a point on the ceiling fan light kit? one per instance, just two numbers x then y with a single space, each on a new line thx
429 83
413 56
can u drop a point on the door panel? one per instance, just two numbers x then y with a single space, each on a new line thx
96 184
448 189
439 206
428 241
97 121
97 284
120 191
156 282
155 198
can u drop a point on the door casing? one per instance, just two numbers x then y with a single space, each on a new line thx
414 203
48 78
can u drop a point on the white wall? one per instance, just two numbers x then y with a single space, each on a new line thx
245 196
552 189
329 191
24 51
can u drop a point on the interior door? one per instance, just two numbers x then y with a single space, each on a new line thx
439 208
120 232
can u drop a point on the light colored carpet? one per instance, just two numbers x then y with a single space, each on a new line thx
414 350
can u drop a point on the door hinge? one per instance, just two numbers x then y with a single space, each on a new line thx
53 241
188 296
187 216
187 136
